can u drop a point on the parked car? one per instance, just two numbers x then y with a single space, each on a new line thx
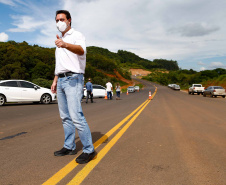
196 88
131 89
98 91
171 85
24 91
176 87
215 91
137 88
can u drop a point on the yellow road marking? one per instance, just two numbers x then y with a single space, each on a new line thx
89 167
57 177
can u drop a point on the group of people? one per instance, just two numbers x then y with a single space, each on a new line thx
109 89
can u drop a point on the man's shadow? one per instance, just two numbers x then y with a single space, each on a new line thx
95 136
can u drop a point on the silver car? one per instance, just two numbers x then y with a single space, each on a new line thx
131 89
214 91
176 87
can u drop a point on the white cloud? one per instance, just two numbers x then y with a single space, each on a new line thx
8 2
202 69
201 63
195 29
214 65
3 37
25 24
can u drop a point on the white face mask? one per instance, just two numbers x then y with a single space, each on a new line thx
61 26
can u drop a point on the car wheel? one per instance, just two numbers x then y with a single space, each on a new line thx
46 99
223 96
2 100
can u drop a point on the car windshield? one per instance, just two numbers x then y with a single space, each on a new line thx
197 85
218 87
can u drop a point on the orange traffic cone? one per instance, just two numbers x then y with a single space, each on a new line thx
106 97
149 95
127 92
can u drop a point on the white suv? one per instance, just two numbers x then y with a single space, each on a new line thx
24 91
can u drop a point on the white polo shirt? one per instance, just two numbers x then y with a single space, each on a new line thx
66 60
109 86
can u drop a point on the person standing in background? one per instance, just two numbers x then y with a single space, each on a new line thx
89 91
118 90
109 89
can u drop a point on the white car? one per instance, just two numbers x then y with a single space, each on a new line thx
24 91
98 91
131 89
137 88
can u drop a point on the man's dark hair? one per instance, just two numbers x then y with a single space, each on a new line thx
68 15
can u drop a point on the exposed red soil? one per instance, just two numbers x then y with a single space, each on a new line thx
138 72
119 77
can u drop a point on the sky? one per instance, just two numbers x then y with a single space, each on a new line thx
192 32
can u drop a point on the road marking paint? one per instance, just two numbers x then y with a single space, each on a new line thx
57 177
89 167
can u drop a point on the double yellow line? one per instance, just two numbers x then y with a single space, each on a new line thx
80 176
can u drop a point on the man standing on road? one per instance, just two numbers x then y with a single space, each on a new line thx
89 91
109 89
68 83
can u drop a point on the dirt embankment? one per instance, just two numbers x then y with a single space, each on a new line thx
139 72
134 72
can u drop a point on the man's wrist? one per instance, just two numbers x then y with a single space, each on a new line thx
65 45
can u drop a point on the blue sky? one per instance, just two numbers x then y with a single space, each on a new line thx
192 32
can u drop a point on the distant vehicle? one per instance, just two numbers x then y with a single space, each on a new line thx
171 85
176 87
137 88
24 91
131 89
196 88
98 91
215 91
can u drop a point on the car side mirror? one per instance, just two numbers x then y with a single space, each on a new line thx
35 87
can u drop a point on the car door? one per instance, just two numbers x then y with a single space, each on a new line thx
95 91
98 91
29 92
11 91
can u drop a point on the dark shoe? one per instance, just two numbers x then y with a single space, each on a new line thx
65 151
85 158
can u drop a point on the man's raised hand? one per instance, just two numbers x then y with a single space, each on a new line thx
59 42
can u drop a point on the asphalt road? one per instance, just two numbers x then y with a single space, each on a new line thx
175 139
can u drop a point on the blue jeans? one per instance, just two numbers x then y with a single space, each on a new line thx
69 95
118 94
109 95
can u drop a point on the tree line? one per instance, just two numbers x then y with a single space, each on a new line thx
185 78
37 64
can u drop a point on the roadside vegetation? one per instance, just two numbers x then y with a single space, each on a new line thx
185 78
37 64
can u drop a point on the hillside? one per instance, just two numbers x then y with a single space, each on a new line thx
36 64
